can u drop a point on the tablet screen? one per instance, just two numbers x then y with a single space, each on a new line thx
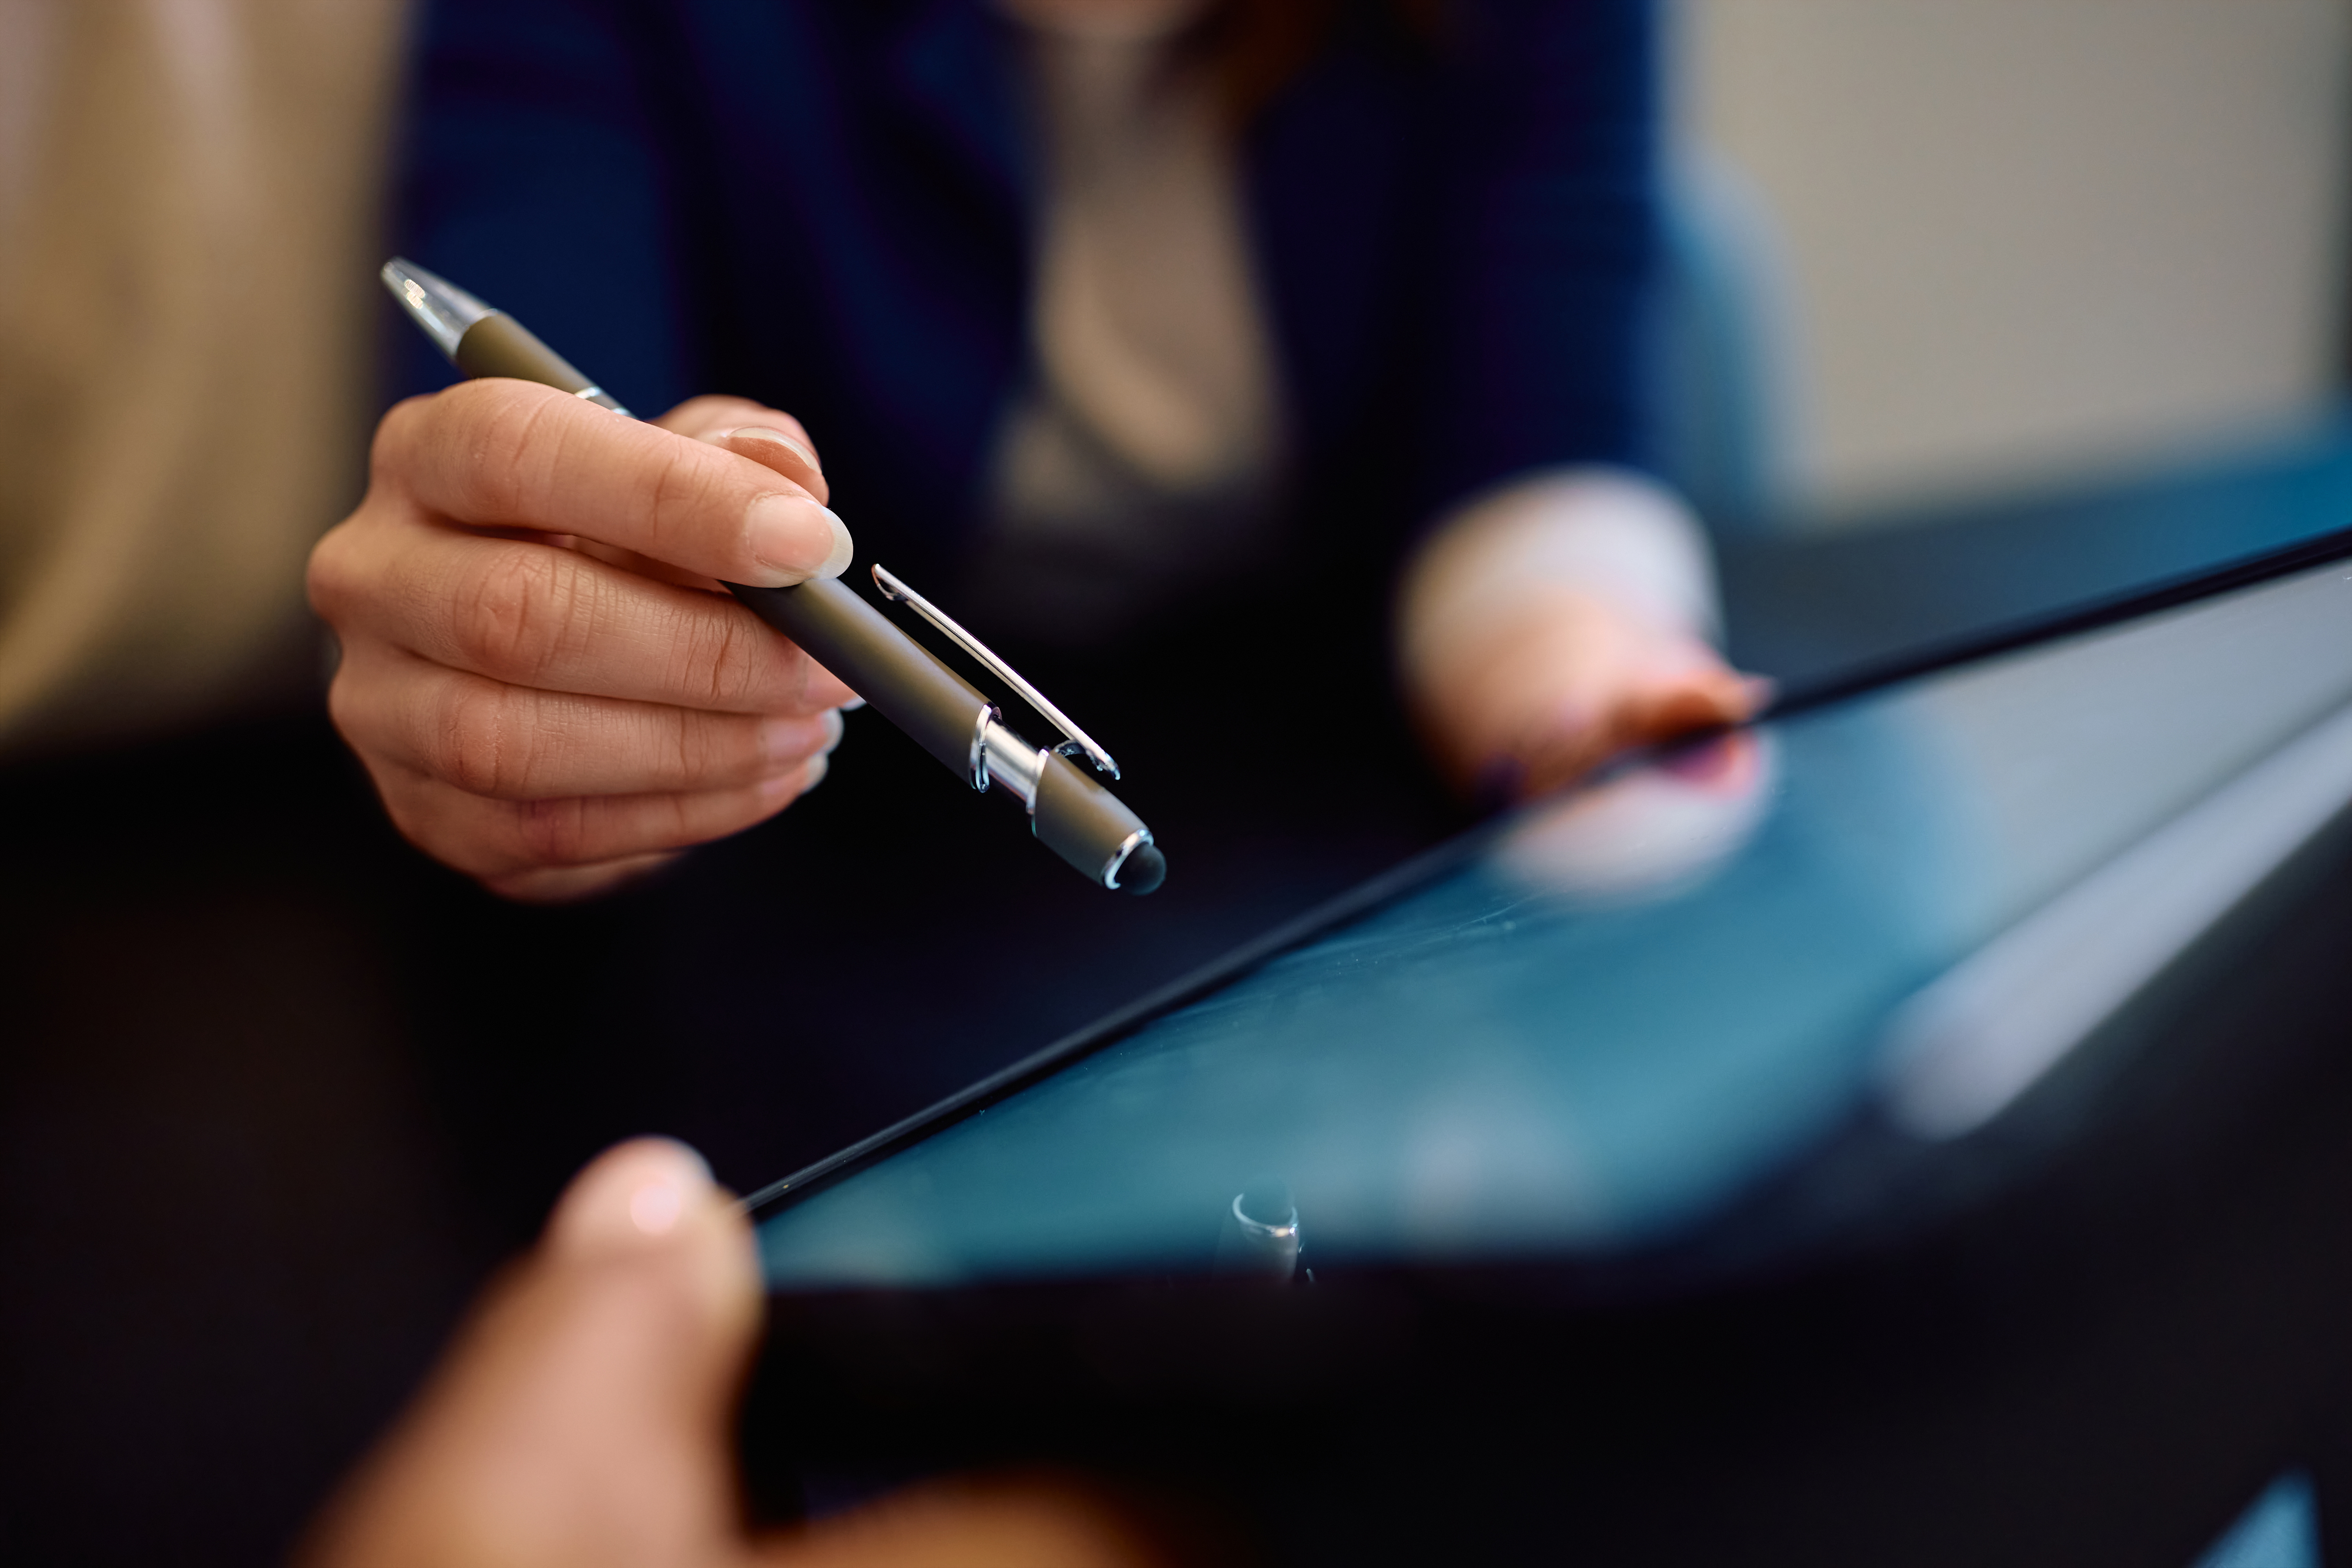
1627 1007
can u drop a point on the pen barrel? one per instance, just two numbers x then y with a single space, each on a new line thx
1092 828
873 658
498 344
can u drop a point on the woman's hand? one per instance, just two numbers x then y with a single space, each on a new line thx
539 668
1558 622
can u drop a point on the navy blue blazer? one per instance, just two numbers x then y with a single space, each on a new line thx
826 204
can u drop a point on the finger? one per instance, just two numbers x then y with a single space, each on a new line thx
523 612
1034 1524
771 437
495 839
582 1414
776 449
521 743
508 454
570 884
1585 731
1693 699
699 416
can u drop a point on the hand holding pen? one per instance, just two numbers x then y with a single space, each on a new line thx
537 671
544 691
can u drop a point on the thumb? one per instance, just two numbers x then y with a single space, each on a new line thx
583 1417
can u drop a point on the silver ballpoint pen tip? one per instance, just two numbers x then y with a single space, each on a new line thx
435 304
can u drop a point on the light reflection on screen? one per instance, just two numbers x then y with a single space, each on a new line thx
1643 1000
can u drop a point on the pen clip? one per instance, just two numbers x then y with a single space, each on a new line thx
1075 740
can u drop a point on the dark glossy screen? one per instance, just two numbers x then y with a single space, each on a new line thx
1647 996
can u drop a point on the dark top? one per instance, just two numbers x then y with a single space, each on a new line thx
824 204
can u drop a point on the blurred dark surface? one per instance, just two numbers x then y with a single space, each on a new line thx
278 1093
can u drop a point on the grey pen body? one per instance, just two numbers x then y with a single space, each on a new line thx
498 344
896 675
1071 815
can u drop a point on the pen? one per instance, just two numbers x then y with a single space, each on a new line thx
1070 814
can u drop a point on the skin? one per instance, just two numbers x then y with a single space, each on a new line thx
1560 681
582 1420
539 666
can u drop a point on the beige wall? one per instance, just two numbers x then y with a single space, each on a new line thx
187 250
2029 237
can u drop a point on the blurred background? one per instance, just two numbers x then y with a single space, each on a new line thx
1927 251
1928 256
2023 243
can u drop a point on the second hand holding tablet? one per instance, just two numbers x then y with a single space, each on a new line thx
1070 814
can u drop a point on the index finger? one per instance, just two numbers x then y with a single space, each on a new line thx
779 440
507 454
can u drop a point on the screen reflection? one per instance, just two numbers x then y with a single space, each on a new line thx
1650 994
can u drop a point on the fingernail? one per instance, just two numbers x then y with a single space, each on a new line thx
631 1197
761 433
794 540
834 728
819 766
852 706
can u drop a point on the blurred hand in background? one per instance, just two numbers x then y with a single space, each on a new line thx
1559 620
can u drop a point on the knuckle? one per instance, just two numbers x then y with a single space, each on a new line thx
329 580
408 801
504 441
551 832
516 611
725 659
707 752
680 492
395 435
475 742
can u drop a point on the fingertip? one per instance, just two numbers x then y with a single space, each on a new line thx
764 444
630 1198
791 539
845 549
782 451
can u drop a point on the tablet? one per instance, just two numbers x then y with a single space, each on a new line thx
1732 996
